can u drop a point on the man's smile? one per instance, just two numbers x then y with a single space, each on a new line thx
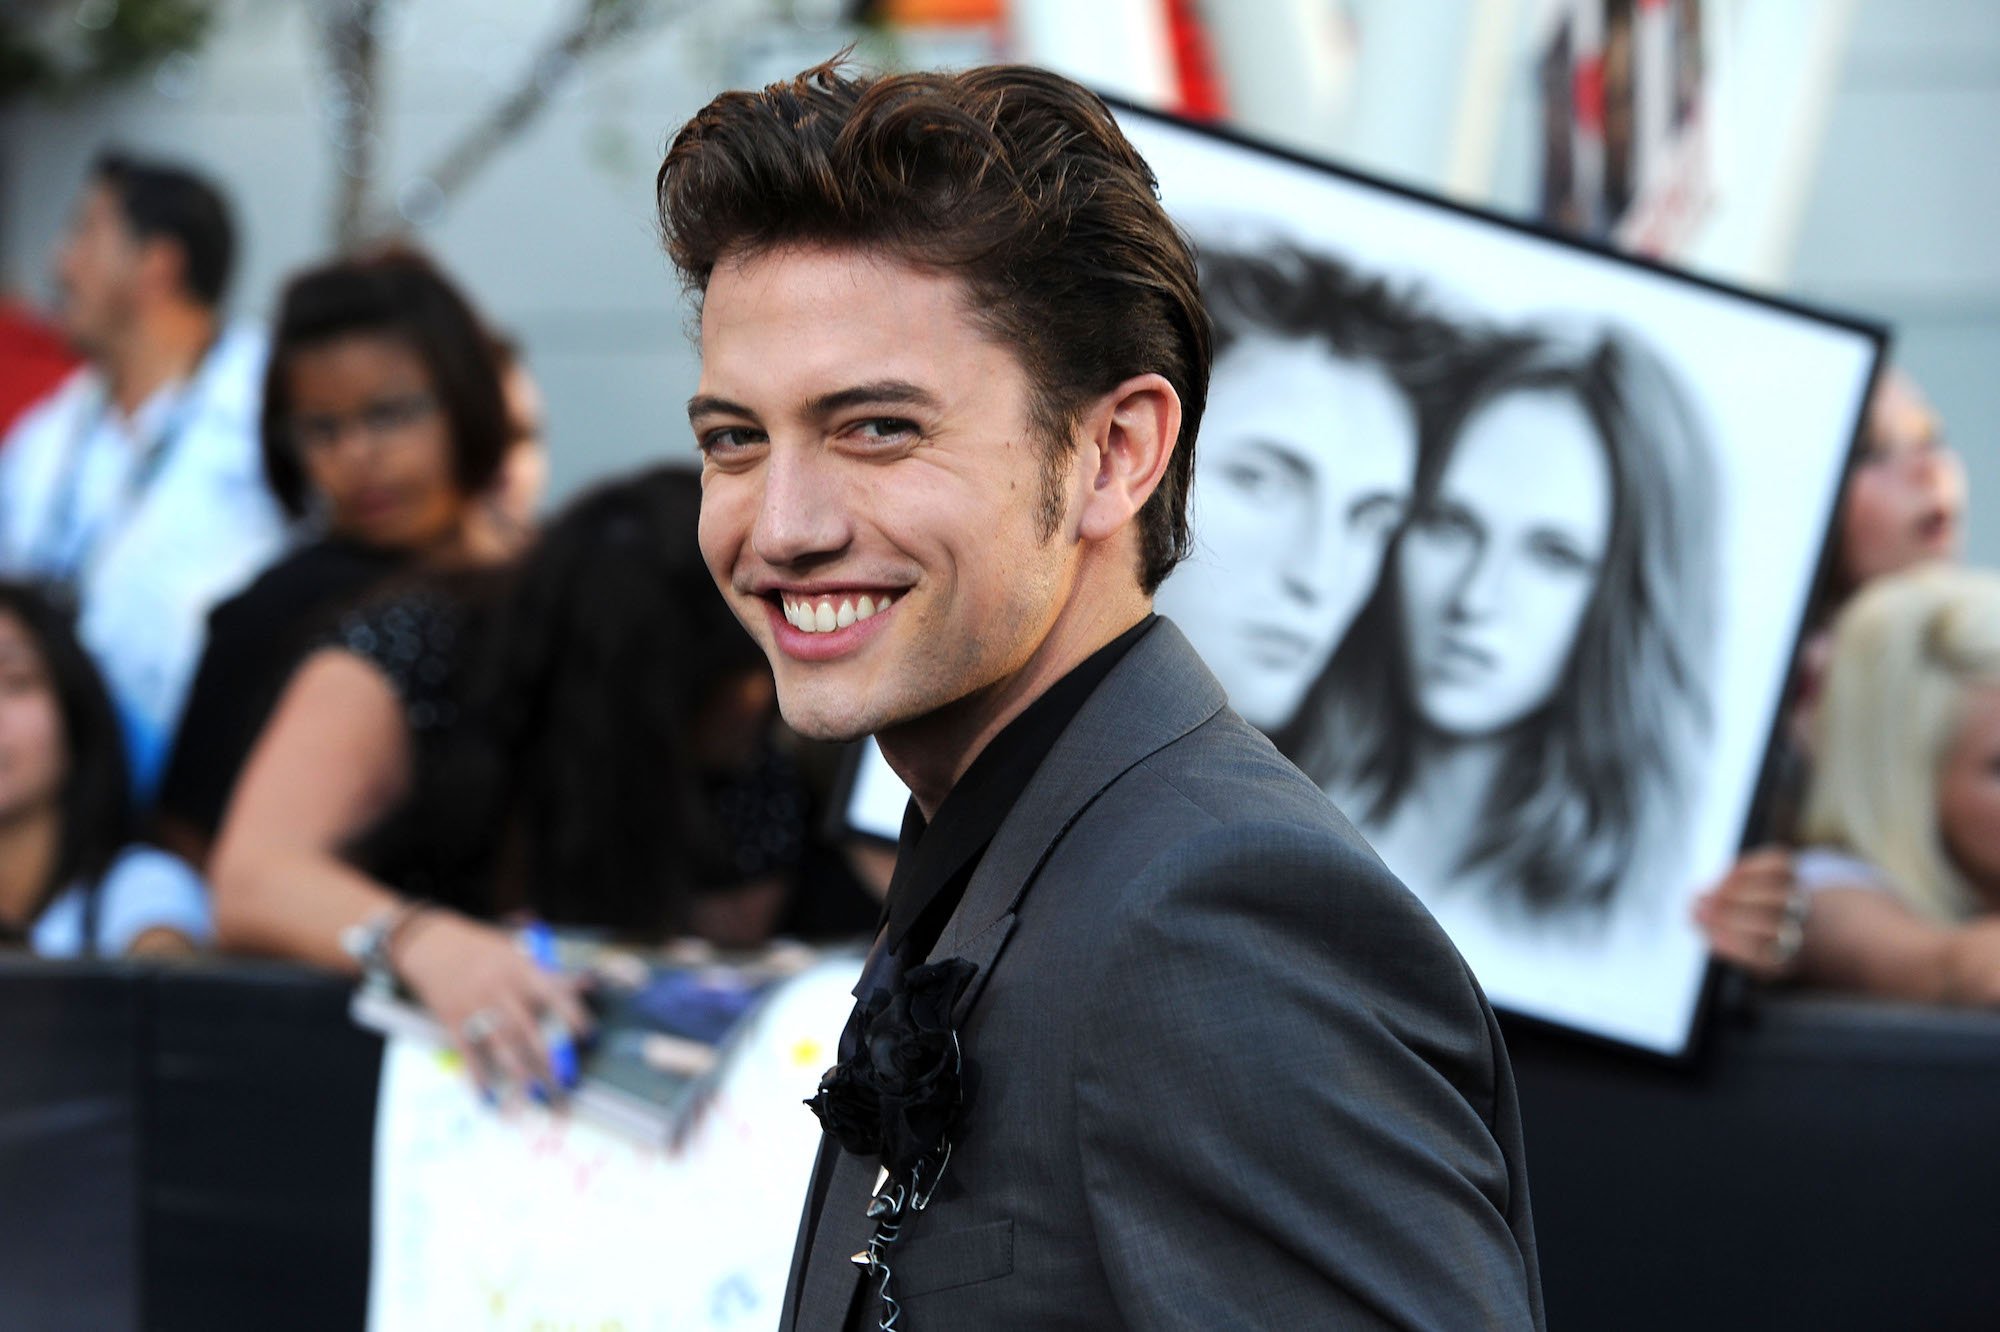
826 625
825 613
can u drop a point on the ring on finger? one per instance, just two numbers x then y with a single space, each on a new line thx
1785 946
479 1026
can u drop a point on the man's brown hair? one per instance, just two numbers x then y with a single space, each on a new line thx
1014 179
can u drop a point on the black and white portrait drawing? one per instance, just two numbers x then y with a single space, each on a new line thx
1506 542
1475 523
1519 713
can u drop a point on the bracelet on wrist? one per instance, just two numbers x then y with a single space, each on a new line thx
369 942
398 939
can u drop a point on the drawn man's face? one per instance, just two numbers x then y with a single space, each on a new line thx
872 492
1302 474
1496 572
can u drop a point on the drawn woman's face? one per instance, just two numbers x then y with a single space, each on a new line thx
1496 572
1303 473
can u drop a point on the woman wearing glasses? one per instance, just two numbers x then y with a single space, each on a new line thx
385 424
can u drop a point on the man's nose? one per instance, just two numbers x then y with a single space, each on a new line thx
803 514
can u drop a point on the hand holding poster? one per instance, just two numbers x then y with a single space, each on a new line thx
531 1219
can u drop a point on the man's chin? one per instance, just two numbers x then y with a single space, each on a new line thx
816 722
833 735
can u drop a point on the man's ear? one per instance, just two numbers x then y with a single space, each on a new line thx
1132 434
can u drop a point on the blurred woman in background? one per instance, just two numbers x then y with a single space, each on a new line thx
1905 502
1898 887
1903 505
1519 708
71 881
609 763
590 745
385 426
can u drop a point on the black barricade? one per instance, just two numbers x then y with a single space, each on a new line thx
190 1147
1827 1165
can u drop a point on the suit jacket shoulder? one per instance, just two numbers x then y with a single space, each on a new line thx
1245 844
1223 1070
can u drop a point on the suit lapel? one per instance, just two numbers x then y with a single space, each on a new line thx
1158 693
824 1246
843 1231
816 1198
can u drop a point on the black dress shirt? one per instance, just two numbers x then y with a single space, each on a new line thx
935 862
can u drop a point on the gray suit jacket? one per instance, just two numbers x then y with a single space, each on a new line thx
1223 1070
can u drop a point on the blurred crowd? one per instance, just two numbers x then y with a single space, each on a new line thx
1885 878
291 664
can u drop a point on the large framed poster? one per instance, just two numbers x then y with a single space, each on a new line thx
1507 541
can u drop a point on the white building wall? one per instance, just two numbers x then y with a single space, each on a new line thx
556 238
1900 221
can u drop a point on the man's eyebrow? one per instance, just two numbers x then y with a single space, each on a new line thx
1291 458
880 393
707 404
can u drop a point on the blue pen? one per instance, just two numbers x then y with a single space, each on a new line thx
562 1049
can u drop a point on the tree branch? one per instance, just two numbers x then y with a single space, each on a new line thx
353 53
595 25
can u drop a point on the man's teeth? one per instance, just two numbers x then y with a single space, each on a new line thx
826 614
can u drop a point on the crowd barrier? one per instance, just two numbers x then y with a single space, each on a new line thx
189 1147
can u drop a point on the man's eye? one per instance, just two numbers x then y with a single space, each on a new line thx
883 429
728 439
1253 479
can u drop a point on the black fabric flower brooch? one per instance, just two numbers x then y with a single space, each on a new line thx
896 1095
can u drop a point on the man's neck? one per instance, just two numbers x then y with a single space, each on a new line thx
159 348
27 857
932 752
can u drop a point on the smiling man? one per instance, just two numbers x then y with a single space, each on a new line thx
1149 1037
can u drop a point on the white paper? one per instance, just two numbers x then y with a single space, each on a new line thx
534 1221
